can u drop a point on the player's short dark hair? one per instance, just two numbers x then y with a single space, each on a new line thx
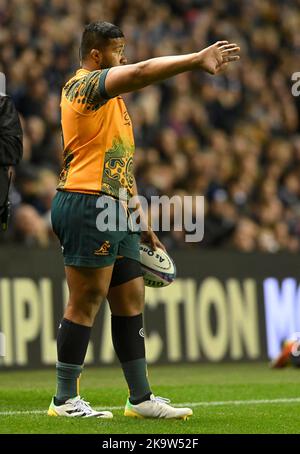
96 35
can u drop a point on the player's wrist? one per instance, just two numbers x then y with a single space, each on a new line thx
200 59
195 61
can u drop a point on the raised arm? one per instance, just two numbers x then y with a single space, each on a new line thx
213 59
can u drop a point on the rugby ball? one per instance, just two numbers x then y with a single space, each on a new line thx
158 267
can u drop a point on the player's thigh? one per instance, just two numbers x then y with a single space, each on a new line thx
88 284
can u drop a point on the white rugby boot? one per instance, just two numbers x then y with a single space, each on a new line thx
77 407
156 407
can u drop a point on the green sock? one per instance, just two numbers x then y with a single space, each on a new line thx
67 381
136 376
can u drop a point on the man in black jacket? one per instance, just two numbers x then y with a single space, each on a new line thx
11 148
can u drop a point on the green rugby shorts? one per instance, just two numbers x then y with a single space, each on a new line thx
89 235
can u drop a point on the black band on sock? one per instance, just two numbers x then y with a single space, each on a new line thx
128 337
72 342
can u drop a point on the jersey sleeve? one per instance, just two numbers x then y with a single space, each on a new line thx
88 93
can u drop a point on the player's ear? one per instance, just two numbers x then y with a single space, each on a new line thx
96 56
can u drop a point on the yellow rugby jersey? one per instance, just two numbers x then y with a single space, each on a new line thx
97 136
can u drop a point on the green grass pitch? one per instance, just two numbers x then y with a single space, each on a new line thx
226 398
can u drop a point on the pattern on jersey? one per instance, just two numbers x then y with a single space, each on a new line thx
85 90
68 156
118 168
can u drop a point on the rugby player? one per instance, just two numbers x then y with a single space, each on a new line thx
99 265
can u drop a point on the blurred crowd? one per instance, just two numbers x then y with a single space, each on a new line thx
233 138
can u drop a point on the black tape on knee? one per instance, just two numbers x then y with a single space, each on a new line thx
125 270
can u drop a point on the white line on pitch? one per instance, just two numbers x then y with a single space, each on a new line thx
184 404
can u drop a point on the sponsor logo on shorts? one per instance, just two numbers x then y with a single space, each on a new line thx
103 249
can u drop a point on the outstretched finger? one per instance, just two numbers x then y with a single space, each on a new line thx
228 46
230 50
229 58
221 43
